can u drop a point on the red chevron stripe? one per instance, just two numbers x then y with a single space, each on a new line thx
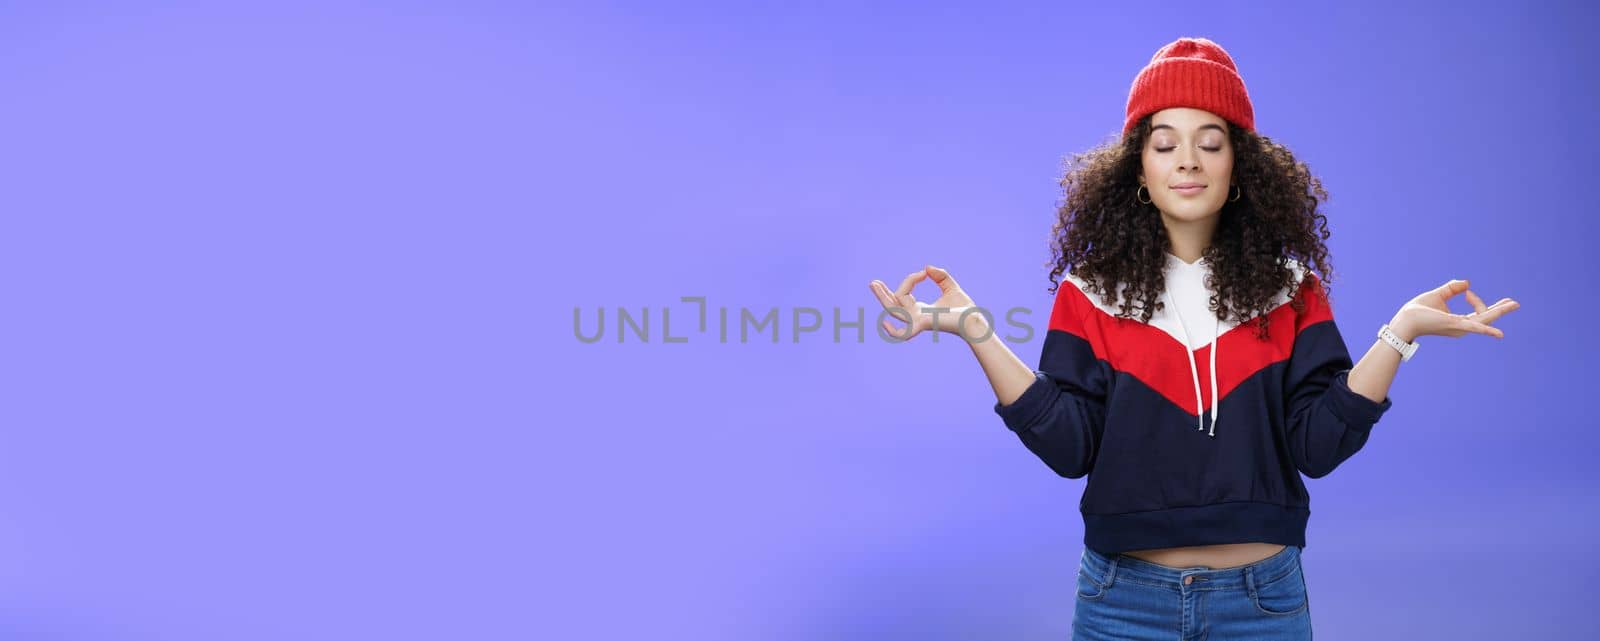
1156 358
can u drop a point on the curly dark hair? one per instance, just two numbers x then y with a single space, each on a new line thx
1104 235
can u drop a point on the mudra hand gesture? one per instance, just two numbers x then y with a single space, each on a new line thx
944 314
1429 314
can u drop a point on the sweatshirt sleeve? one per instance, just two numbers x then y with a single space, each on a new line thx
1060 417
1327 421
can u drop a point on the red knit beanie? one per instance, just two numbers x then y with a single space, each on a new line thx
1190 72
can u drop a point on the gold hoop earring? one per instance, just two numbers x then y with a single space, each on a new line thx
1141 200
1237 197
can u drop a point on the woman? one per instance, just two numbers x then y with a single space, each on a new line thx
1192 245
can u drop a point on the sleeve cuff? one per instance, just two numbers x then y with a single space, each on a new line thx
1021 413
1354 409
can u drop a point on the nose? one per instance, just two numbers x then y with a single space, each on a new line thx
1190 158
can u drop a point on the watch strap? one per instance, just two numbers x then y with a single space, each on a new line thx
1406 349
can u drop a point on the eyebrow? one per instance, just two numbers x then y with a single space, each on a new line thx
1200 128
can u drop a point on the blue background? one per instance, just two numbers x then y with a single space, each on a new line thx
291 292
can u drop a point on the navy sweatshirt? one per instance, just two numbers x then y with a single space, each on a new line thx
1175 455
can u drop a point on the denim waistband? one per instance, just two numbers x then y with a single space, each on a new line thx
1108 570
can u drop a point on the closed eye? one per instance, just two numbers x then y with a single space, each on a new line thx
1167 149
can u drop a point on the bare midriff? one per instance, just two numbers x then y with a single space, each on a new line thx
1215 557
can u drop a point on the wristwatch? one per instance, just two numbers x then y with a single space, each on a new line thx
1405 349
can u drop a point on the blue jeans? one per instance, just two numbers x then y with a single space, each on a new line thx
1121 597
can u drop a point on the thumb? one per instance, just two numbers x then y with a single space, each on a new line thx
942 277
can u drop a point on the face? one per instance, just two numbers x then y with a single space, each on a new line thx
1187 147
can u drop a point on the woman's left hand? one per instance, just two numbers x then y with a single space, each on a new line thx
1429 314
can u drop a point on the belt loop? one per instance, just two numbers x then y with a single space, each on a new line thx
1250 581
1111 572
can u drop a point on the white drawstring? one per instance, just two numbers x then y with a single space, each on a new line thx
1216 403
1194 372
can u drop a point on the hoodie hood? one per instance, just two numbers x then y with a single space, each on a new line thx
1188 311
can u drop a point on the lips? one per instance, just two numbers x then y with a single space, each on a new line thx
1188 189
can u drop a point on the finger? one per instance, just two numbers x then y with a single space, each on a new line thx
910 281
881 291
1477 303
1494 312
1451 288
1479 328
896 334
904 302
946 283
899 334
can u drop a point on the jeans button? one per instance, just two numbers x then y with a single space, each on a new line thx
1187 580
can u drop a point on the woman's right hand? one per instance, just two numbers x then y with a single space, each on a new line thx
947 308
